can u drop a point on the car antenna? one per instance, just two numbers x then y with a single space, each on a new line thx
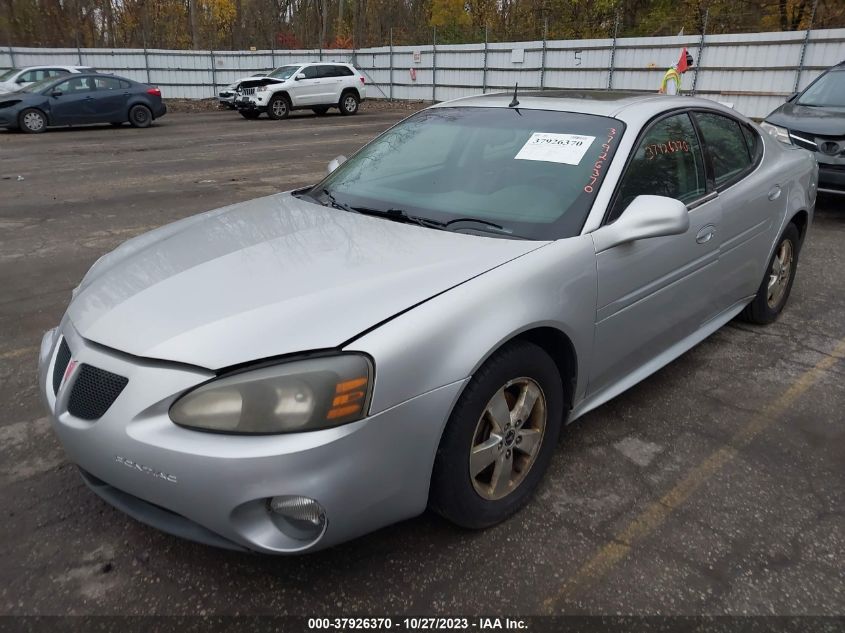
514 102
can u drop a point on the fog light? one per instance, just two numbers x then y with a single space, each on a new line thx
298 509
298 517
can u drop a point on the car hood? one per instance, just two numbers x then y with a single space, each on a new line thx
821 121
268 277
7 87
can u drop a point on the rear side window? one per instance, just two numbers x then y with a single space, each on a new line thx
752 140
667 162
327 71
726 145
108 83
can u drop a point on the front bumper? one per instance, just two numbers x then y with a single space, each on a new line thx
831 178
365 475
249 106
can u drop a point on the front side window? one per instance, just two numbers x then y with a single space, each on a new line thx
77 84
32 75
827 92
311 72
535 173
726 146
667 162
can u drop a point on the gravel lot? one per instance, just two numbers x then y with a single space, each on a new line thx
715 486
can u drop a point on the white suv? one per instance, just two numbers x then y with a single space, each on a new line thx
14 79
318 86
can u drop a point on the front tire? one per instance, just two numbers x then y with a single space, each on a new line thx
140 116
500 438
348 103
777 283
32 121
278 107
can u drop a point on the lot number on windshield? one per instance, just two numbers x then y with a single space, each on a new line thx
555 148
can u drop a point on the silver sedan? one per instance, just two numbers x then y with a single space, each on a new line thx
288 373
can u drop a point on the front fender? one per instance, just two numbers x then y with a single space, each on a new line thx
446 338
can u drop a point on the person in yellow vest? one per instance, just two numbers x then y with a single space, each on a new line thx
671 84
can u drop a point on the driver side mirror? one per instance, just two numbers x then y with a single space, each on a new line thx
646 216
56 93
300 76
335 162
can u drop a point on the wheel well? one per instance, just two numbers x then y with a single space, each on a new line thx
283 93
355 90
801 220
43 113
557 345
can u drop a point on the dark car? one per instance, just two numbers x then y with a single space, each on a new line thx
815 120
80 100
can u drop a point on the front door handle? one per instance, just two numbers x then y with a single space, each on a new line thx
774 192
705 234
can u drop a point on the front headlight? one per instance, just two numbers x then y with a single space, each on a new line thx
301 395
780 133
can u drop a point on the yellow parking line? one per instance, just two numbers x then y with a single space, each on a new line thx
16 353
653 516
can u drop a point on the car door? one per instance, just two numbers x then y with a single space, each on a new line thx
332 80
306 90
653 293
753 202
111 100
72 101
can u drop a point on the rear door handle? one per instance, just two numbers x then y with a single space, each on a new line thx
705 234
774 192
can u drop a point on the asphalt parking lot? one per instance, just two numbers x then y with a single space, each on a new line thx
715 486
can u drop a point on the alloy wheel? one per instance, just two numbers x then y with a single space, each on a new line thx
350 104
280 107
779 274
507 438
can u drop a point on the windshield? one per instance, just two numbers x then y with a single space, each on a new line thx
38 86
828 91
533 173
8 74
284 72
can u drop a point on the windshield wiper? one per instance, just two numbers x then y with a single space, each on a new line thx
397 215
400 215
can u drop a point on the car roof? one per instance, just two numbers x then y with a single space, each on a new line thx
625 105
55 66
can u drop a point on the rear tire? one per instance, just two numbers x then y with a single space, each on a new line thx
278 107
348 103
250 114
32 121
500 438
140 116
320 110
774 290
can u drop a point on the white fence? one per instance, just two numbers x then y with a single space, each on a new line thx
754 72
